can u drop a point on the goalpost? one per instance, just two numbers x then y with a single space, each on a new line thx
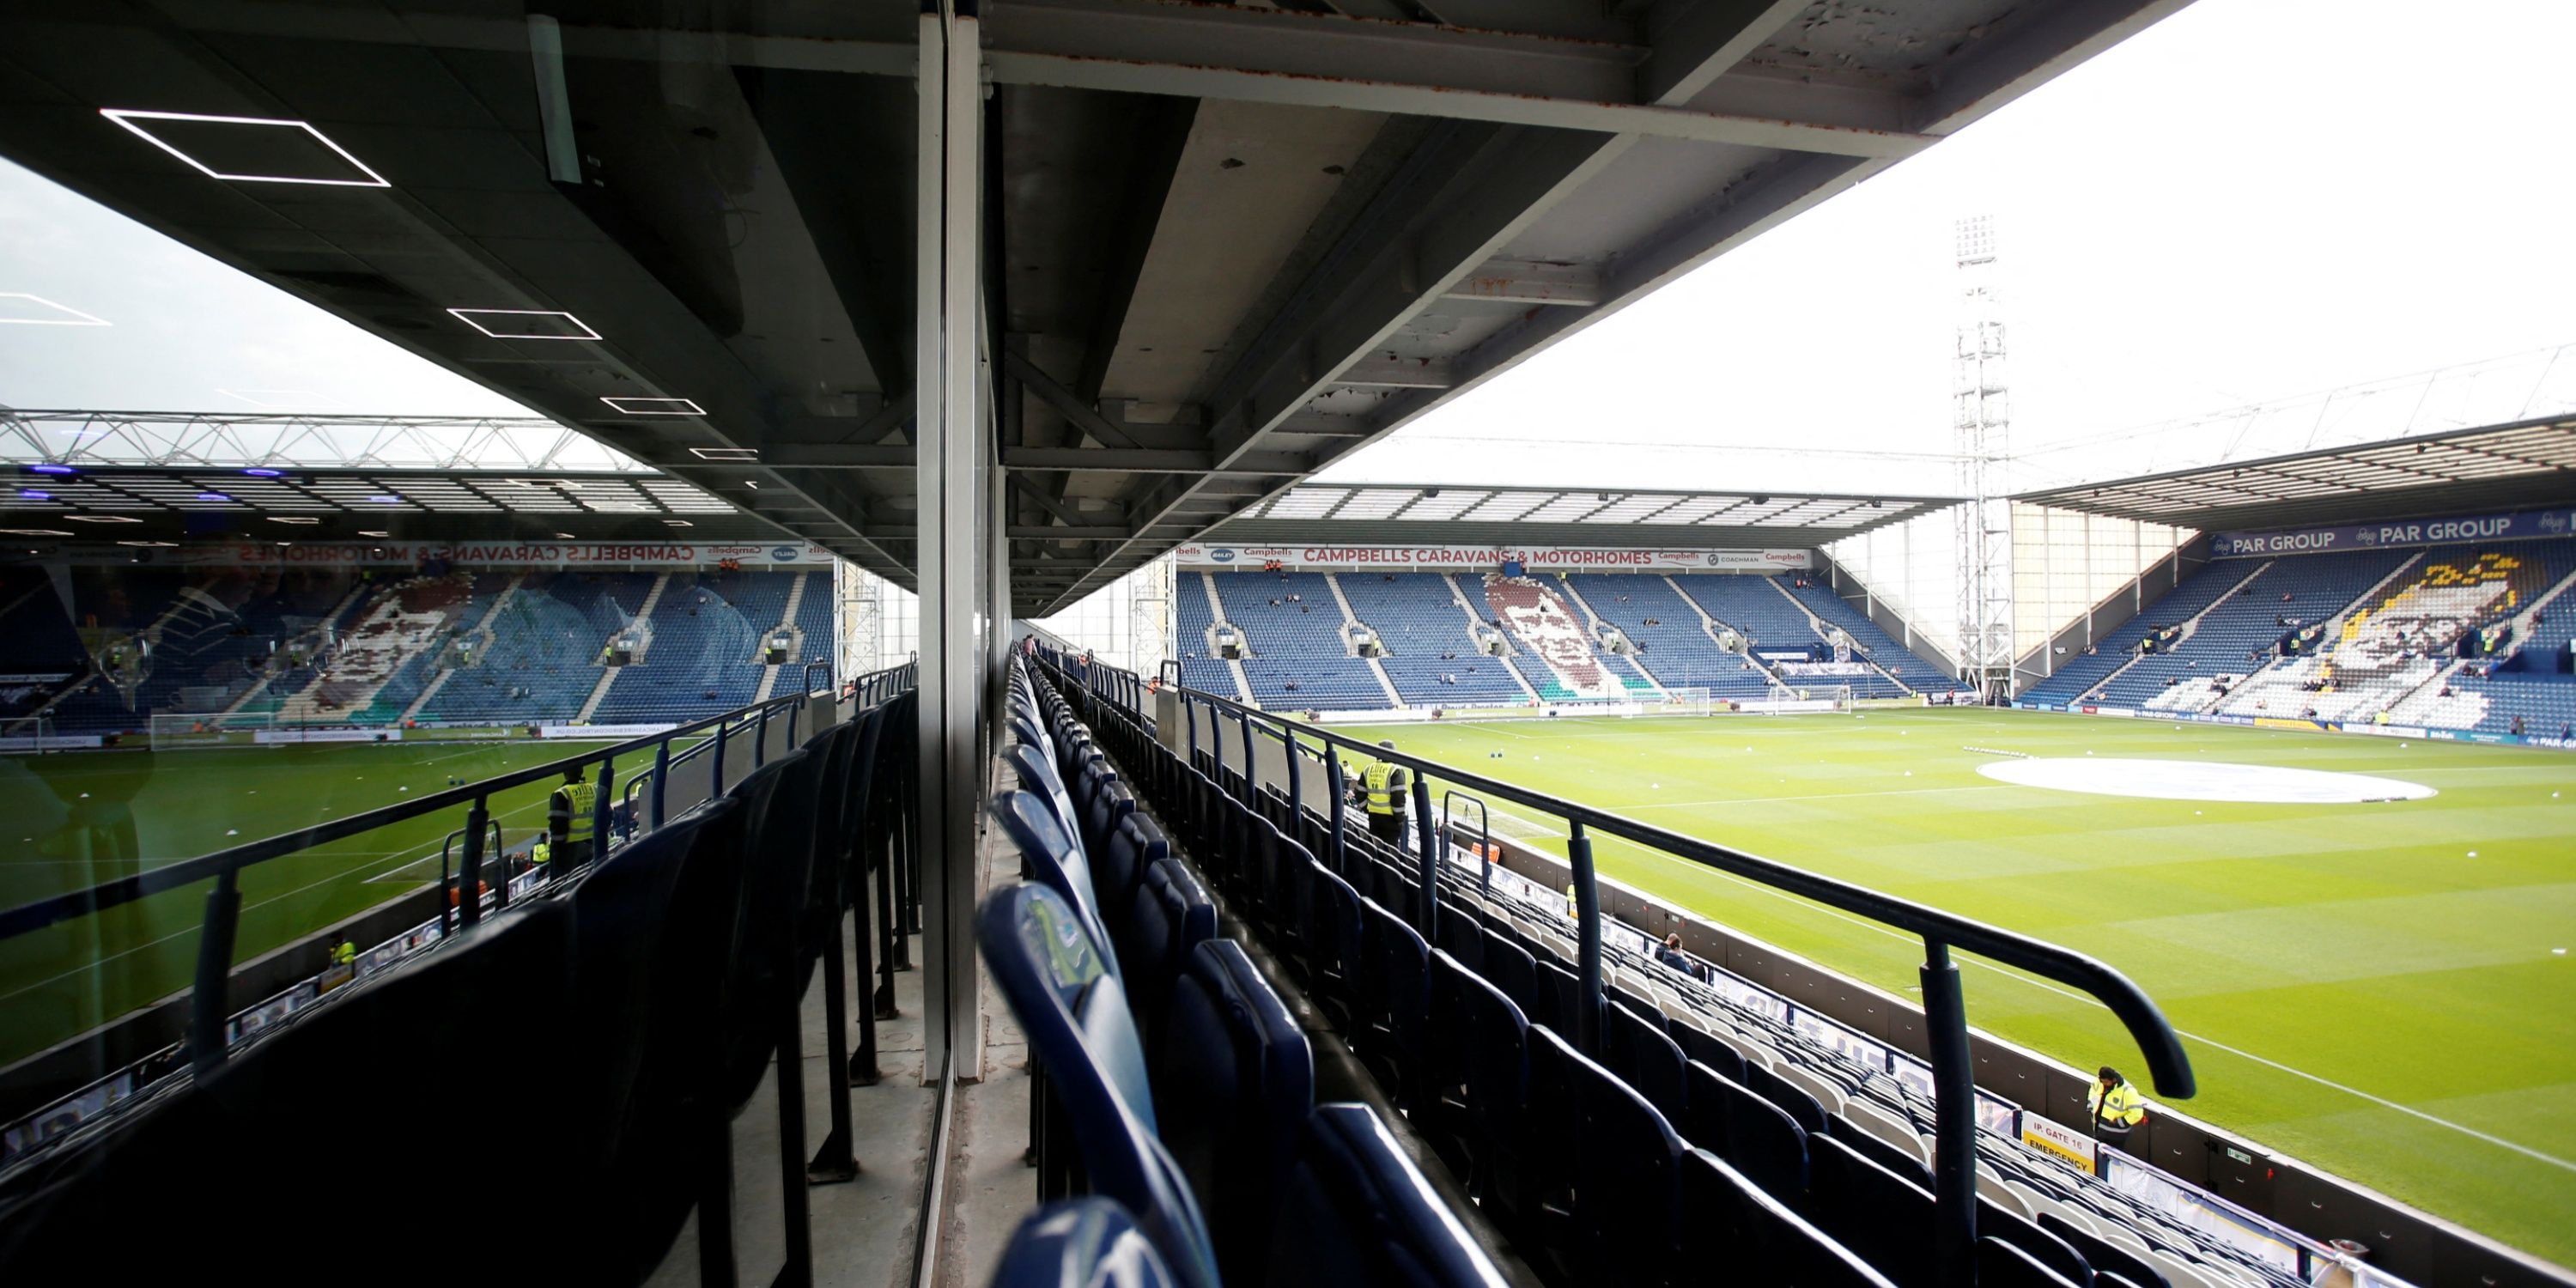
1683 702
208 729
1782 699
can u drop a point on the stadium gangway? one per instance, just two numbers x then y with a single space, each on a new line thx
208 1025
1944 1008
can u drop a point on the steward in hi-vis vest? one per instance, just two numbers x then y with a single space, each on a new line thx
569 815
1383 789
2117 1109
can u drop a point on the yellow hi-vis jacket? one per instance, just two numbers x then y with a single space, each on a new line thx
541 851
1386 785
573 803
2119 1111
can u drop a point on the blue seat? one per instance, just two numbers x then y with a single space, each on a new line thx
1081 1243
2104 1256
1234 1079
1492 1037
1734 1223
1702 1046
1886 1219
1117 867
1173 914
1055 860
1049 967
2056 1254
1333 958
1647 1058
1618 1182
1394 994
1038 776
2001 1264
1753 1135
1511 968
1356 1212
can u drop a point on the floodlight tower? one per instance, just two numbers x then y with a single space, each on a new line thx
1981 418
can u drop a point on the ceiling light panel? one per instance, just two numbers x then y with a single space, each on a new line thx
656 406
1505 506
1306 502
1447 505
249 149
1375 503
526 324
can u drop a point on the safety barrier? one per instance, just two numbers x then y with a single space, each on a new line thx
697 769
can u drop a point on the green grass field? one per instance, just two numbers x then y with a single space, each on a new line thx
2355 988
81 819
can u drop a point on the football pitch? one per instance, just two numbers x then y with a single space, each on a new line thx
82 818
2385 989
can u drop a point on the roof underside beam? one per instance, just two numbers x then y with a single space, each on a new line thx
1417 69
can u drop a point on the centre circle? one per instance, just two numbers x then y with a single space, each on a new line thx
2201 780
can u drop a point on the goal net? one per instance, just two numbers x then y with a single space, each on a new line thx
1682 702
1783 699
194 732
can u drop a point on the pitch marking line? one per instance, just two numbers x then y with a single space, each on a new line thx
200 926
2012 974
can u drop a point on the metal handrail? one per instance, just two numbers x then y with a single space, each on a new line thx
222 917
1944 1007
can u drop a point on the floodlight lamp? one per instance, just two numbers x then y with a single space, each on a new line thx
678 523
102 518
212 496
369 532
385 500
30 494
127 118
52 469
263 473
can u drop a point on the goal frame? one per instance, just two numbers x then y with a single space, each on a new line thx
1686 700
1784 699
206 731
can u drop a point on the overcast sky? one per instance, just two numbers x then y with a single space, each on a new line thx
2253 200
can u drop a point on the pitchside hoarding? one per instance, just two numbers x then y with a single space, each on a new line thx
2525 525
603 555
1205 557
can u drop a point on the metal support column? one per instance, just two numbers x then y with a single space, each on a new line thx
954 452
1954 1089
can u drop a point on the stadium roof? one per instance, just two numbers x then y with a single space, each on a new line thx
2496 467
1410 513
170 503
1225 244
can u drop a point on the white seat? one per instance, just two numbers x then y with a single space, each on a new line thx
1826 1093
2005 1196
1885 1126
2072 1215
2180 1273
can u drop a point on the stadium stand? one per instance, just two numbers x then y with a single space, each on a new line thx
1712 1128
2228 637
1911 670
1678 650
1195 613
662 979
1430 653
1298 656
341 647
1555 639
2402 635
2081 674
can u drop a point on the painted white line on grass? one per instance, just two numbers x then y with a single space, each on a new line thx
199 926
2011 973
1821 796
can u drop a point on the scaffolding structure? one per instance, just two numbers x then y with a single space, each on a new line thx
1981 419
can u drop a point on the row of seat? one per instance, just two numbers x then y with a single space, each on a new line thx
638 1002
1603 1166
1173 1079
